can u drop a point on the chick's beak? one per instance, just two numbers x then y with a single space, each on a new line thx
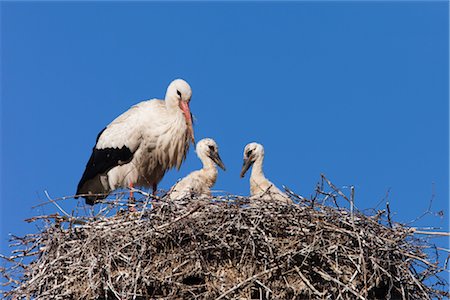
247 164
184 105
216 158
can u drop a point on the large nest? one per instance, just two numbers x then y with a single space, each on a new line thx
226 248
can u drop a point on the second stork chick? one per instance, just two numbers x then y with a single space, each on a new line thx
260 186
199 183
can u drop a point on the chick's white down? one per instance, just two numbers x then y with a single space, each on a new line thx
260 186
199 183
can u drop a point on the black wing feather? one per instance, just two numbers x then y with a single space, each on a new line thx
103 160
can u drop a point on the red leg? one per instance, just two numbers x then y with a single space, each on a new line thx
131 191
131 207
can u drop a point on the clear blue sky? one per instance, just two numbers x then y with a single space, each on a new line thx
357 91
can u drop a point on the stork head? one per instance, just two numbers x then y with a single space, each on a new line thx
252 152
208 148
178 96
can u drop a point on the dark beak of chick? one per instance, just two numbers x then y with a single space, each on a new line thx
216 158
248 162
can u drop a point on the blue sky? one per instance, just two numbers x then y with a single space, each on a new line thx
357 91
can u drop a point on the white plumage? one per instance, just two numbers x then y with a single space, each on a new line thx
260 186
139 146
199 182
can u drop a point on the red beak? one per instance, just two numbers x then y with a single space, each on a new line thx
187 115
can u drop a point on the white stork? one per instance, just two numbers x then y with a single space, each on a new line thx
260 186
200 182
140 145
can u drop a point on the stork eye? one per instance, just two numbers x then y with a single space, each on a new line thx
179 93
212 148
249 152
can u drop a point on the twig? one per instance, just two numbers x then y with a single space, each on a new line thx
438 233
56 204
237 286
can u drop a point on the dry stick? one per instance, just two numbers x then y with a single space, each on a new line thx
56 204
180 217
56 217
247 280
329 278
428 211
361 251
417 283
389 214
443 249
420 259
438 233
263 285
144 207
386 196
352 202
249 236
363 265
73 196
340 193
305 280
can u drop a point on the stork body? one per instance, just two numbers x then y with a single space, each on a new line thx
139 146
199 182
260 186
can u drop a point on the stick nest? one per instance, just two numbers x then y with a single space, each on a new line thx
227 247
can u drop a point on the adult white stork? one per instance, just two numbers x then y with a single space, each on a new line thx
139 146
199 182
260 186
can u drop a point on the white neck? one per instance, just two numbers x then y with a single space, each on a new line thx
257 170
172 104
209 169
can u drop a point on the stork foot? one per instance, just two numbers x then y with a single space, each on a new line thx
132 204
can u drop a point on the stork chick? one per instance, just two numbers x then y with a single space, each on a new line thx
200 182
260 186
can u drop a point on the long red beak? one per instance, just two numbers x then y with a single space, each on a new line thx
187 115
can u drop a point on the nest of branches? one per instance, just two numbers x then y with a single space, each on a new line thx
227 247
